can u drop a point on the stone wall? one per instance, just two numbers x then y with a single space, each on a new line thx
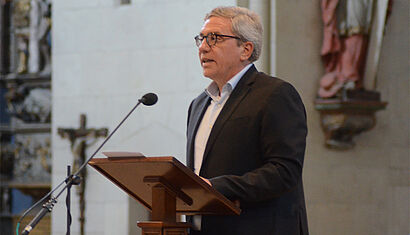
364 190
106 55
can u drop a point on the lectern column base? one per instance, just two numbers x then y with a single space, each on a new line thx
163 228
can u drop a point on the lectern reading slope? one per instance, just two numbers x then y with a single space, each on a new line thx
166 187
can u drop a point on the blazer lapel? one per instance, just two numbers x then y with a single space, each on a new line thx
198 110
238 94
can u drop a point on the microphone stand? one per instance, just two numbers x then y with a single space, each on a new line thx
147 99
68 203
68 200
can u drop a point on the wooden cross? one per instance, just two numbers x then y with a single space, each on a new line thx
78 141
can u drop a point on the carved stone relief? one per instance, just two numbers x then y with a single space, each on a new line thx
32 161
31 38
25 78
29 104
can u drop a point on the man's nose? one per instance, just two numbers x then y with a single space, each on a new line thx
204 46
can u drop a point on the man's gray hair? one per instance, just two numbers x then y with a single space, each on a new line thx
246 24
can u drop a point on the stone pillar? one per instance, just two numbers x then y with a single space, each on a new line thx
263 9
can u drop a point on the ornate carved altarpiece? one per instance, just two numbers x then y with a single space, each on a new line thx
25 98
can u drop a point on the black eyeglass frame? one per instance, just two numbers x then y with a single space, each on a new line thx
199 39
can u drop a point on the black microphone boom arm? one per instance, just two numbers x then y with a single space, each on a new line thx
148 99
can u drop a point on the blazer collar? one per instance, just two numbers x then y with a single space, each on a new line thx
238 94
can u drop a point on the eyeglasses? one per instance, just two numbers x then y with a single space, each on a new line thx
212 38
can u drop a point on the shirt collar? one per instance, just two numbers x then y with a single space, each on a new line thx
213 91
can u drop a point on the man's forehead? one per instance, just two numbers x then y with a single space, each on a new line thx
216 25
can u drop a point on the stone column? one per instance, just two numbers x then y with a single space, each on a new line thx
263 8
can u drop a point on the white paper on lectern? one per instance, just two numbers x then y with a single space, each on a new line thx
123 154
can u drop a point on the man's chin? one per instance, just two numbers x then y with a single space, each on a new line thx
207 74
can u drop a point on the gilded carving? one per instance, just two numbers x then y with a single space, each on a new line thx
32 161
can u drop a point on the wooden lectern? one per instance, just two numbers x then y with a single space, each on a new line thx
166 187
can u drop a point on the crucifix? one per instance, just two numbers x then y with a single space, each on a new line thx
80 139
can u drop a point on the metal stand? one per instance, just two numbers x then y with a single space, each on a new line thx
76 180
148 99
68 201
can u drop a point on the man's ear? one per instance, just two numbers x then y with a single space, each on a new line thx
247 51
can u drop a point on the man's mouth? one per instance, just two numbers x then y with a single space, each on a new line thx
205 61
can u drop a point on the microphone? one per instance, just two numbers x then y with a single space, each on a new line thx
149 99
47 207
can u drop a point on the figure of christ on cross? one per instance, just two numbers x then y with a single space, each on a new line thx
80 139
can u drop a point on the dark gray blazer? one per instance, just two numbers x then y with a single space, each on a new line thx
255 154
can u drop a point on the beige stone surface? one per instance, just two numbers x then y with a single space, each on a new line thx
106 55
364 190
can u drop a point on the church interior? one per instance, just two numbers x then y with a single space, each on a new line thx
70 70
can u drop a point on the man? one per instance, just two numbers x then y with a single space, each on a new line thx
247 132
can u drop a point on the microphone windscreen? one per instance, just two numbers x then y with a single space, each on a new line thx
149 99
